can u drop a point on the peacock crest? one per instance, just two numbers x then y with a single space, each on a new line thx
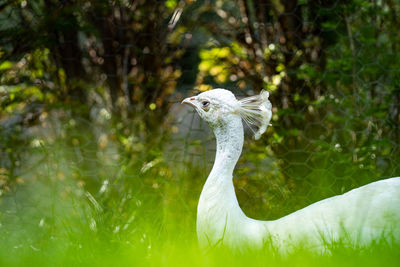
256 111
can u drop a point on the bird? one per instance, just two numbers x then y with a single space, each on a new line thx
358 218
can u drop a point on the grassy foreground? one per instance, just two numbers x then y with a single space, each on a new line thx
178 253
68 210
43 230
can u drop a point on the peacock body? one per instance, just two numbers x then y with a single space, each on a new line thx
359 217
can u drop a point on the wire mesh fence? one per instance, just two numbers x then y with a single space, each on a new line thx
90 95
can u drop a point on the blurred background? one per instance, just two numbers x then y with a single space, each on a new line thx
97 154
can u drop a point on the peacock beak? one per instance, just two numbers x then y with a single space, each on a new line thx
189 101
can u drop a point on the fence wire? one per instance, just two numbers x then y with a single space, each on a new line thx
90 96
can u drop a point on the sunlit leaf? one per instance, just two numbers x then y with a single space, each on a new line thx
6 65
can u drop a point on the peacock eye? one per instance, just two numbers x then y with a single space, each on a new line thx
205 104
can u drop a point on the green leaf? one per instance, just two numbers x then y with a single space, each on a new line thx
171 4
6 65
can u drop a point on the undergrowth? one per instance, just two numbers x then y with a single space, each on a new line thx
68 210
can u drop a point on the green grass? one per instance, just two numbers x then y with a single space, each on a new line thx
175 252
80 234
60 216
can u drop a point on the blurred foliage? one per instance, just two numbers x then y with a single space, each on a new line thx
96 156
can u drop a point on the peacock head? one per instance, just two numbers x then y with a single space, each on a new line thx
218 106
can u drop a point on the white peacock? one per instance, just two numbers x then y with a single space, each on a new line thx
360 216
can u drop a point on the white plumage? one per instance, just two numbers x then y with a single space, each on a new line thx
364 215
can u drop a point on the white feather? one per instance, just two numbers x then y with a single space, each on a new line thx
256 111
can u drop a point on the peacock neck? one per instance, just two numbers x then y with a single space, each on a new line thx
219 216
218 211
229 139
219 188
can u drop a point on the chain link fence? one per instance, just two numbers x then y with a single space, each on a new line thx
93 135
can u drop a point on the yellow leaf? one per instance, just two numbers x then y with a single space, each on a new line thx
205 65
152 106
216 70
204 87
221 78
